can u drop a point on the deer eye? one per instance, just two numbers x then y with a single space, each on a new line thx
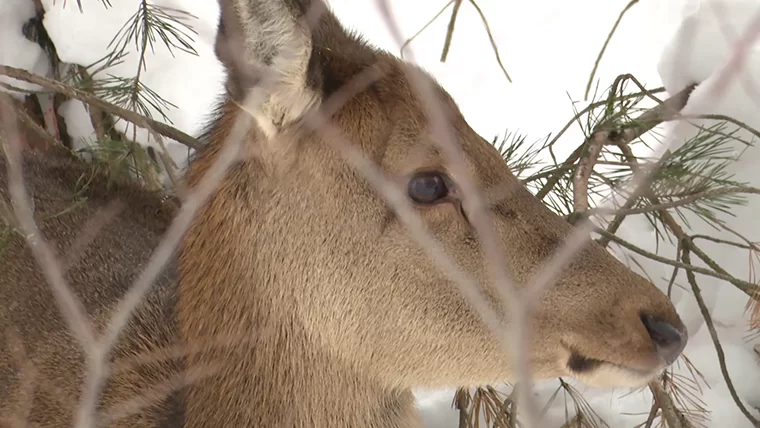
427 187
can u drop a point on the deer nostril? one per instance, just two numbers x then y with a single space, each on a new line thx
668 340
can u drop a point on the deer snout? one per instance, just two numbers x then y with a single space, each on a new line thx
669 340
625 343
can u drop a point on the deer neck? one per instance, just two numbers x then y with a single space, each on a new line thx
281 380
266 369
277 376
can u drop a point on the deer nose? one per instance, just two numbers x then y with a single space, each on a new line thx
668 340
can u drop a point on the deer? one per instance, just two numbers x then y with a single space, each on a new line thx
318 308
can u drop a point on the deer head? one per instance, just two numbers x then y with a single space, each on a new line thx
337 311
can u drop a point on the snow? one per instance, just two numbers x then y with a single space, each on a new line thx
17 51
78 125
699 39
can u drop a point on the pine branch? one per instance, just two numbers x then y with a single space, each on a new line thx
693 177
701 164
610 131
146 26
462 403
149 24
748 288
106 3
671 414
667 110
497 409
133 117
681 400
585 416
687 246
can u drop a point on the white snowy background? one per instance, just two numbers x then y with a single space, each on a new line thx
548 47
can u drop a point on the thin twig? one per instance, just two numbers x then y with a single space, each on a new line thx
674 204
747 287
491 39
450 30
713 333
604 47
424 27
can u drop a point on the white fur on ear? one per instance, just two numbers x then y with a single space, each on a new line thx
276 37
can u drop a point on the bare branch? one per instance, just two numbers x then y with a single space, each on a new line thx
583 172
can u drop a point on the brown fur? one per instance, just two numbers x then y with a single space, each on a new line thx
328 312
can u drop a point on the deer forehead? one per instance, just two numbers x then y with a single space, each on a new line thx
399 134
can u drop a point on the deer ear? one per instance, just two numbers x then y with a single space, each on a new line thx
267 44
